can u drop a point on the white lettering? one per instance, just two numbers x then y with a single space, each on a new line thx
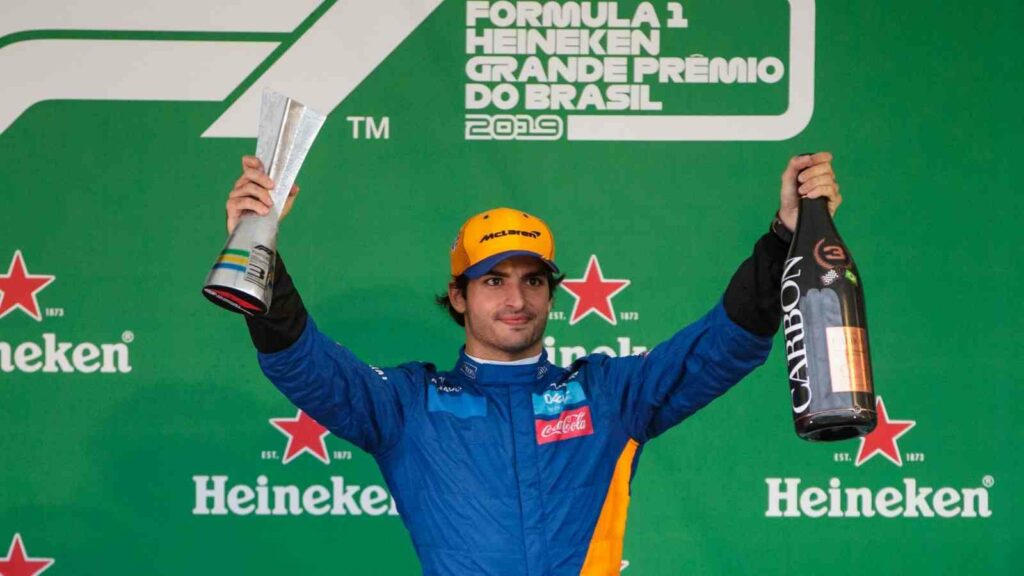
910 501
777 496
25 357
239 498
344 500
810 501
374 500
313 499
944 501
206 495
286 501
916 501
979 496
886 501
55 356
83 355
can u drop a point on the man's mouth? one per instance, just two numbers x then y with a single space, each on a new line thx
514 319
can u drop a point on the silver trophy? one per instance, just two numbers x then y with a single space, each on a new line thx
242 278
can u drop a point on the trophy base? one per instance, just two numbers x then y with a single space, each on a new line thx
833 425
235 300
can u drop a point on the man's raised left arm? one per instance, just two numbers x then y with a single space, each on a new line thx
704 360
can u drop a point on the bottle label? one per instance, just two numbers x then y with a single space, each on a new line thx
848 359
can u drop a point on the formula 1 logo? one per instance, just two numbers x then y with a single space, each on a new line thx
318 51
154 48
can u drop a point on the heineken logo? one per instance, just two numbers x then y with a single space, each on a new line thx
53 355
19 292
788 499
215 497
793 497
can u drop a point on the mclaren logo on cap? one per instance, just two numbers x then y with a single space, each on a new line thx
501 233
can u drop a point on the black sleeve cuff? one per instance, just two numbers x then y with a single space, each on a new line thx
752 299
286 319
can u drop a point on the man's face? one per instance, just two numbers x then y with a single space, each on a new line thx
506 309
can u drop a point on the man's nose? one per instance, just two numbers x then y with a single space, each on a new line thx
514 296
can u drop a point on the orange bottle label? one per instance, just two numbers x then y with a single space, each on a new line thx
848 361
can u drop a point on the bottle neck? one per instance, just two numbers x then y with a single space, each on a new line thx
814 218
814 205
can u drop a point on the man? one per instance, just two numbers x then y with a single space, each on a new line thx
507 464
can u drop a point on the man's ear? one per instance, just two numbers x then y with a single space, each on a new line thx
457 298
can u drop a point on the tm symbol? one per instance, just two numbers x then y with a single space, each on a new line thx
369 128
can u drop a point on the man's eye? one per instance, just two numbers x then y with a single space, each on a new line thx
535 282
493 281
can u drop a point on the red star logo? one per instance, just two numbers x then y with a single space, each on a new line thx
18 564
18 289
593 293
883 438
304 435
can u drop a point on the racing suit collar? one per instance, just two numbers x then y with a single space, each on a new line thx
484 374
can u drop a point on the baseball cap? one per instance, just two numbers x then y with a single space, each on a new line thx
494 235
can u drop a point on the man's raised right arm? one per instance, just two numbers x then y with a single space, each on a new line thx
353 400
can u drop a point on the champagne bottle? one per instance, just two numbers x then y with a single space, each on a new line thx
826 332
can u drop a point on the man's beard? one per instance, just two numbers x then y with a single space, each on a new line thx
516 344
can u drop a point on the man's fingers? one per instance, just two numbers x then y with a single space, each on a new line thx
258 176
254 175
798 164
815 171
819 157
251 162
238 205
830 191
810 184
252 190
805 160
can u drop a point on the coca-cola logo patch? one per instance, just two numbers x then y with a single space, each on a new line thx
570 424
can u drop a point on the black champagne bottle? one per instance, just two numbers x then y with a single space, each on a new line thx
826 332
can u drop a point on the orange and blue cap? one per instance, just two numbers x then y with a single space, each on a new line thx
492 236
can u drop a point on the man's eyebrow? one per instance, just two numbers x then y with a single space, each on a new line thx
496 273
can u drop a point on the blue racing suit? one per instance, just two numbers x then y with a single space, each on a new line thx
522 469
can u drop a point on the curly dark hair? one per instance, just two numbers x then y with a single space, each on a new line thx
462 284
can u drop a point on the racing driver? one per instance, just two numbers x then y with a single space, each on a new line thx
507 464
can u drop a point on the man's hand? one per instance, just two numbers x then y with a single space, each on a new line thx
252 192
807 176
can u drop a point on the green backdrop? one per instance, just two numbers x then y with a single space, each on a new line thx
117 194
